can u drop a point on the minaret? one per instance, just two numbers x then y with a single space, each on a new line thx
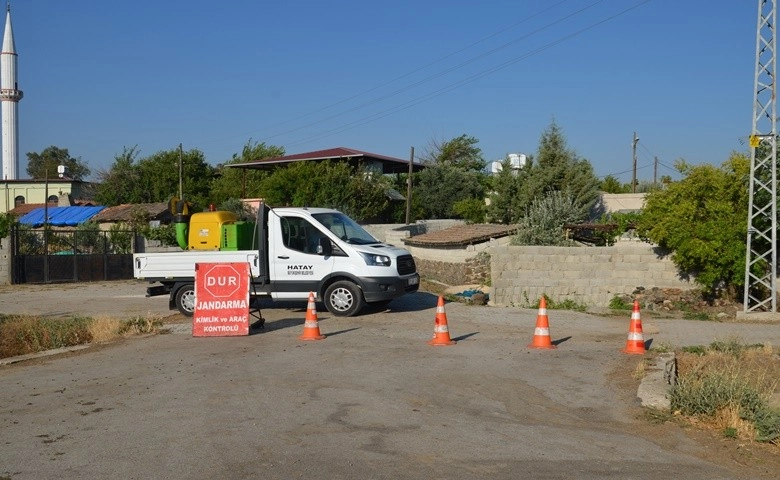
9 97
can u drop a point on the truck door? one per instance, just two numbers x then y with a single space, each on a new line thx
296 267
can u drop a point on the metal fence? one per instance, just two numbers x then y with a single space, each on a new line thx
48 256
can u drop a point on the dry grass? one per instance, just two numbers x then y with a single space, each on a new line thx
641 370
729 386
24 334
728 418
105 329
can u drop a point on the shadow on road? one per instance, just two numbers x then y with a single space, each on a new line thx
414 302
560 340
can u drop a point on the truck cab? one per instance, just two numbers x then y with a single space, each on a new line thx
325 251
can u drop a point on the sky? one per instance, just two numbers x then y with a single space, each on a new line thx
385 77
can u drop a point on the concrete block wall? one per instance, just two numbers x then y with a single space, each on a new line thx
5 261
591 276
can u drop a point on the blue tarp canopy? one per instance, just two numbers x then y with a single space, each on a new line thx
61 216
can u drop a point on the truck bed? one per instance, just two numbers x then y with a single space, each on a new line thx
175 265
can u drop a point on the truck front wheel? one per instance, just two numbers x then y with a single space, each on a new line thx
185 300
343 299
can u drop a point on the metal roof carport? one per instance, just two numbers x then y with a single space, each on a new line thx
60 216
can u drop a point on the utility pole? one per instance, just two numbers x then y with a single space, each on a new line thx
46 228
633 154
761 259
655 171
409 187
181 154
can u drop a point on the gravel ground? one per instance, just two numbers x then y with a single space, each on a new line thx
372 400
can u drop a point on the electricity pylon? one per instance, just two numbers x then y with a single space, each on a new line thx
761 258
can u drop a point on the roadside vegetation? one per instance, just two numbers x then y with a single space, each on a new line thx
21 334
730 387
698 220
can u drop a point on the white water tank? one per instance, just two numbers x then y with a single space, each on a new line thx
517 160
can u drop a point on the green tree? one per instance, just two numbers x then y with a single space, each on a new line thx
39 165
352 190
454 173
505 186
120 237
159 174
241 182
397 210
460 152
555 168
701 220
89 238
7 221
470 209
439 186
242 210
610 184
121 183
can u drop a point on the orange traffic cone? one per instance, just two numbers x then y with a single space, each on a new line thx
441 333
636 342
311 328
542 330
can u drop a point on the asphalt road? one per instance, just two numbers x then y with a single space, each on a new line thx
372 400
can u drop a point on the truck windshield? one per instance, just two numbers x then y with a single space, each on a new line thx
345 228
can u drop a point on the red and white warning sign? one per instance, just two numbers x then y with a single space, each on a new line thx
221 300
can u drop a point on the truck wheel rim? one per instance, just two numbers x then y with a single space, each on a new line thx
341 299
188 301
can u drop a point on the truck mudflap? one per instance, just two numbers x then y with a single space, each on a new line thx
377 289
157 290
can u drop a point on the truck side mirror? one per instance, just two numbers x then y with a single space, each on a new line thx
324 247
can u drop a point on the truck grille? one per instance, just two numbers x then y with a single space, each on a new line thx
406 265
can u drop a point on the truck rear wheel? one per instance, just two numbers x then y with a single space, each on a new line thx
343 299
185 300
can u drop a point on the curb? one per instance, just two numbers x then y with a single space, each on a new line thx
47 353
655 387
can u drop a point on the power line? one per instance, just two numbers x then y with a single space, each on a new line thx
432 76
430 64
467 80
416 70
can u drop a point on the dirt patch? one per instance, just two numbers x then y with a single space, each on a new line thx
746 459
685 303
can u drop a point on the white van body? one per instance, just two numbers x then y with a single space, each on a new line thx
300 250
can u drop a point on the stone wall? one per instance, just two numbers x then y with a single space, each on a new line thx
5 261
586 275
475 270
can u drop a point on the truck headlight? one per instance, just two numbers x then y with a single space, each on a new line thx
376 260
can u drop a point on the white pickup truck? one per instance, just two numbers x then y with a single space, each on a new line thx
293 251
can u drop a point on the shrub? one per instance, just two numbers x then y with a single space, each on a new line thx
7 221
165 234
565 304
544 220
470 209
617 303
729 384
140 325
623 221
20 335
89 238
121 238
